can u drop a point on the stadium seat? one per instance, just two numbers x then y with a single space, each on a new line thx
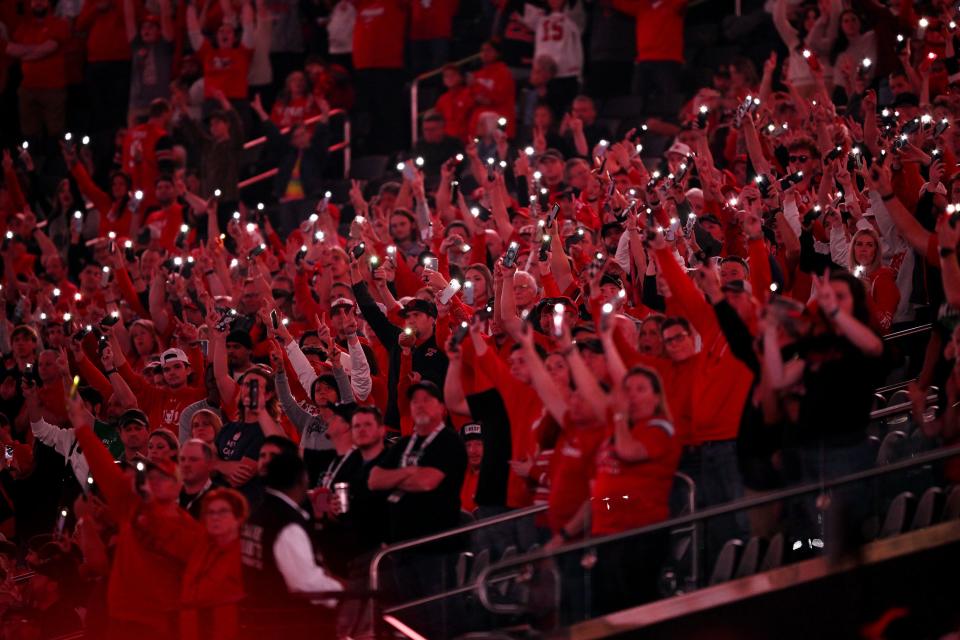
480 562
726 562
951 506
463 564
898 515
773 558
931 503
890 447
899 396
750 558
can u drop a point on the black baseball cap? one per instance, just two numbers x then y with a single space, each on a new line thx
240 337
425 385
132 415
471 431
423 306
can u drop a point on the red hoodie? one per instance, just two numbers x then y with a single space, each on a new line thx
144 584
720 382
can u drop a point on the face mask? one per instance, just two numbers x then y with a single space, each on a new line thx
39 13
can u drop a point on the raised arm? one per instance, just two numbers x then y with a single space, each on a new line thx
129 20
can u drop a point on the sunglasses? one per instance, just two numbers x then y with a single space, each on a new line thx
798 158
675 338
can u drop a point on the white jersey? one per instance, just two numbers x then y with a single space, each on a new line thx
558 37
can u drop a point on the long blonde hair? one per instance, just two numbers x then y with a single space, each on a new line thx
877 260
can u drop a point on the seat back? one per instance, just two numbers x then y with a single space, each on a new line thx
890 447
951 506
480 562
931 502
750 558
773 558
726 562
898 515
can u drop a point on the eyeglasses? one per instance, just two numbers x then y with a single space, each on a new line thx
798 158
675 338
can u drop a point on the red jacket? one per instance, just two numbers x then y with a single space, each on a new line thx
720 383
144 584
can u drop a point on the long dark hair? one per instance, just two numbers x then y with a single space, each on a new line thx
843 42
857 291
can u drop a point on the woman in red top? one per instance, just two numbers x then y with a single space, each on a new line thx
883 295
631 489
295 103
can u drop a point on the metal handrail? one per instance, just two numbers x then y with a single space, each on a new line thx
920 328
443 535
344 145
880 413
743 504
256 142
905 407
415 93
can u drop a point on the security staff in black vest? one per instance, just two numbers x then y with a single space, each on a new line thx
279 560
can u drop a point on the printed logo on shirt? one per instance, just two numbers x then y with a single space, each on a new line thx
221 62
230 448
251 546
372 13
570 451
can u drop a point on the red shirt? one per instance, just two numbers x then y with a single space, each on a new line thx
106 32
378 35
494 90
432 19
163 404
225 69
49 72
286 114
574 457
455 105
144 172
144 583
167 224
627 495
659 25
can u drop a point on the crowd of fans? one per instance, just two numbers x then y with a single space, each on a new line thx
210 404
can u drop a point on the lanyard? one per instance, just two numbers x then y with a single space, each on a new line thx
410 459
199 495
332 471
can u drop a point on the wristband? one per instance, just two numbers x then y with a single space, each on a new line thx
209 273
946 252
110 372
563 534
888 197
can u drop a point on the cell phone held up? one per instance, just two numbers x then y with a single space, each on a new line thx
510 257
